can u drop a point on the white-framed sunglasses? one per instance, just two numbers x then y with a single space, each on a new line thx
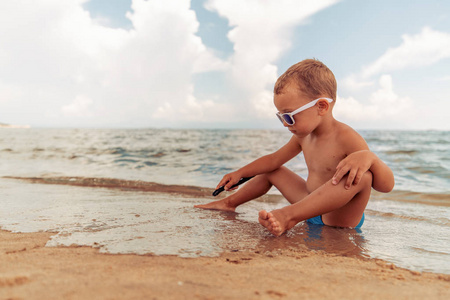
288 118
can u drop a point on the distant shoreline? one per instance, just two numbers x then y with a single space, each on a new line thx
2 125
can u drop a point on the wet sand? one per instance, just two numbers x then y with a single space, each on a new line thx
29 270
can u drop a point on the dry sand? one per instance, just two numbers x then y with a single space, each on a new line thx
29 270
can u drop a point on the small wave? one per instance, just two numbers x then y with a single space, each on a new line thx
430 251
118 150
414 197
408 152
439 221
126 160
183 150
428 169
159 154
135 185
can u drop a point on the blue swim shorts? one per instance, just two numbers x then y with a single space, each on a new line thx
318 221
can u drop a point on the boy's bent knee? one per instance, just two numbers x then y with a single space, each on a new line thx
367 178
366 181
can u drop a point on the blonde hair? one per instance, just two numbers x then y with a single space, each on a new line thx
311 77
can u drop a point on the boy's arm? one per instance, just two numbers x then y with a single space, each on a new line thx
263 164
357 163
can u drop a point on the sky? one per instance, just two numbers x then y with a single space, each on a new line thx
213 63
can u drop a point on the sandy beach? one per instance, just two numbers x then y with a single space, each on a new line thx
29 270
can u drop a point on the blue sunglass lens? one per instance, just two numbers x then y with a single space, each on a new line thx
288 119
285 119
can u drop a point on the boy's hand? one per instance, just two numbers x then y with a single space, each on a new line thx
229 180
355 165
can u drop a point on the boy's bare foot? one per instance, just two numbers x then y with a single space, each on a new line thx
275 222
217 205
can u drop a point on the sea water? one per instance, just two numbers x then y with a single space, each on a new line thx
409 226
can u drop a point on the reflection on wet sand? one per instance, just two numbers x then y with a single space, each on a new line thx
236 234
123 216
198 232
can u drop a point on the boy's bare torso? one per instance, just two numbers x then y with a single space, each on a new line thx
323 154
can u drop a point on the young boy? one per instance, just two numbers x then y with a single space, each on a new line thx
341 168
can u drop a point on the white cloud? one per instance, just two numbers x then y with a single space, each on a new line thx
387 102
53 51
195 111
80 107
383 105
261 33
445 78
59 62
354 83
423 49
349 109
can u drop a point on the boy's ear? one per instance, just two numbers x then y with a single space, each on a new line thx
324 106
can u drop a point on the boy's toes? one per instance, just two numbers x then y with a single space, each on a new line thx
275 225
263 215
264 219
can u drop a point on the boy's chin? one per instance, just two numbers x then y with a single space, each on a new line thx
298 134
